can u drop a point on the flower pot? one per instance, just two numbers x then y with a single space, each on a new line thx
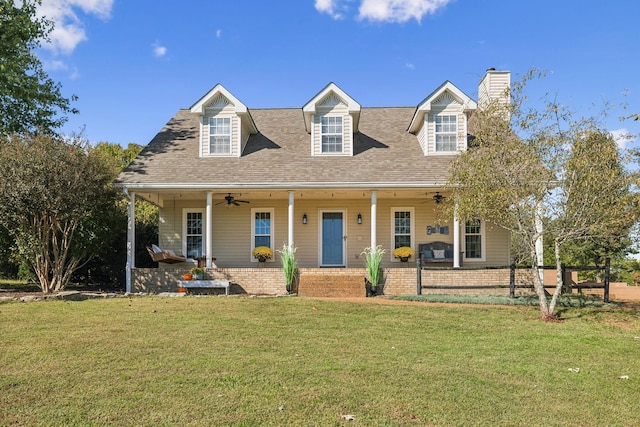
262 259
197 277
404 258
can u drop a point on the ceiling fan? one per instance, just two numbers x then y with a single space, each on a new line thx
438 198
231 201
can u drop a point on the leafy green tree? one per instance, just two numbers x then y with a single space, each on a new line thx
30 101
543 173
54 198
107 265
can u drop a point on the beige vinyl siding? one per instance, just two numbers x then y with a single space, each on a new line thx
339 110
497 246
493 86
236 132
231 230
423 137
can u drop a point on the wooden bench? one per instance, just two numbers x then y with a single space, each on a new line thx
205 284
428 253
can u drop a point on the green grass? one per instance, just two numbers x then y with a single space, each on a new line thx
564 301
237 361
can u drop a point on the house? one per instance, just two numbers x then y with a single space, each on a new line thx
330 178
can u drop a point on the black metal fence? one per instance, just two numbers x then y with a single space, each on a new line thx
568 287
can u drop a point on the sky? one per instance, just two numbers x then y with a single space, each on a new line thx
133 64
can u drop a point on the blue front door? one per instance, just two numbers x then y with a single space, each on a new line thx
332 239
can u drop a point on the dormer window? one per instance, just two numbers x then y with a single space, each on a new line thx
331 118
446 132
219 135
440 121
331 129
225 124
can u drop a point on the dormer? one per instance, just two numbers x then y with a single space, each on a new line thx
225 124
331 117
440 120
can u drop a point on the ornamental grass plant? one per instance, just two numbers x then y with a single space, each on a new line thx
289 266
372 260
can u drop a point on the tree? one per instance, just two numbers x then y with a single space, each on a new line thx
29 100
107 265
54 196
543 173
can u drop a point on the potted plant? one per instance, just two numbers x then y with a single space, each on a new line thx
288 258
403 252
198 273
262 253
372 260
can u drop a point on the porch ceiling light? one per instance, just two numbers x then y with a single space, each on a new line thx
304 218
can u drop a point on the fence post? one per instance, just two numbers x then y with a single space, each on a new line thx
512 281
607 270
563 273
419 273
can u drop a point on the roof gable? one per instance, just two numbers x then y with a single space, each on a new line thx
446 93
219 97
331 96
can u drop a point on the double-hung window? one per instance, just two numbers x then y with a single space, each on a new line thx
402 227
193 229
262 228
473 240
331 129
219 135
446 132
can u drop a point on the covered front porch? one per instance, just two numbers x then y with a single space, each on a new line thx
329 227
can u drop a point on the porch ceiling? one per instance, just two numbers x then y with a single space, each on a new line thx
160 196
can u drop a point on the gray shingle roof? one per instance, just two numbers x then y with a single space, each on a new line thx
384 154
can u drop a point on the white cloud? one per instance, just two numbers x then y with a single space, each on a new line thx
409 66
69 31
382 10
330 7
398 10
623 138
158 50
218 33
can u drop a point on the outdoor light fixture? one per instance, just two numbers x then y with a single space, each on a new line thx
304 218
359 218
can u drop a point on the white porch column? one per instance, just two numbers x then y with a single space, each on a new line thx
374 218
290 220
209 230
131 240
456 237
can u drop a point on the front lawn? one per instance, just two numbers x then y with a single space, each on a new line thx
297 361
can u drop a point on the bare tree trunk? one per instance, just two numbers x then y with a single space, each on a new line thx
559 279
538 285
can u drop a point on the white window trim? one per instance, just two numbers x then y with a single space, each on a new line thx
186 211
393 229
271 212
483 242
331 153
231 123
457 132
